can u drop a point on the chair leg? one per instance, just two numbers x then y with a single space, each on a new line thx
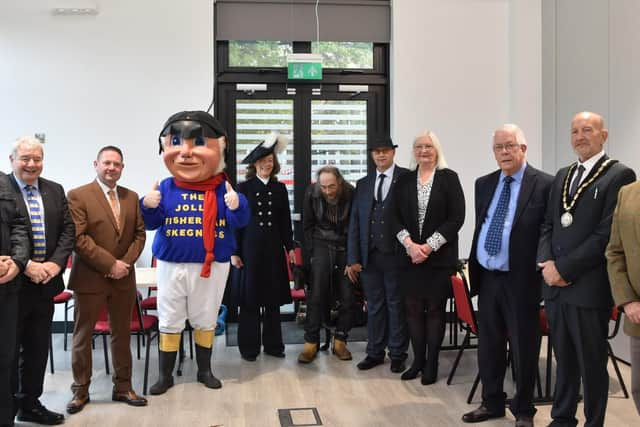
146 364
547 383
472 392
66 307
138 342
51 352
464 345
106 353
538 383
615 366
190 342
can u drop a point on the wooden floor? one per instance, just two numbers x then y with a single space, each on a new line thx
254 391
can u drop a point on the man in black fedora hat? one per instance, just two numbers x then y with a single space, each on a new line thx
370 257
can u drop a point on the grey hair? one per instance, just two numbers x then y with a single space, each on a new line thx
515 129
27 142
441 162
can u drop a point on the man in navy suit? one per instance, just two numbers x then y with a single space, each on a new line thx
571 254
44 203
370 255
510 205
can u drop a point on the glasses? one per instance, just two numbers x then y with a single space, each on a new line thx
422 147
509 147
26 160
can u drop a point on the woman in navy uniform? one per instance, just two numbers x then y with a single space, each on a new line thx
264 283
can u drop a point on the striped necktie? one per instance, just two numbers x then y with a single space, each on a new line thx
37 225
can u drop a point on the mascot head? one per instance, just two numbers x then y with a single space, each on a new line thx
193 144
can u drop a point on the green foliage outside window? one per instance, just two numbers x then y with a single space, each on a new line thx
344 54
244 53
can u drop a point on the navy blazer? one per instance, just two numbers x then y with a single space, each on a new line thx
524 277
359 222
60 231
578 250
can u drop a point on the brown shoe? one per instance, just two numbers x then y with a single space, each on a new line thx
340 349
308 353
77 402
129 397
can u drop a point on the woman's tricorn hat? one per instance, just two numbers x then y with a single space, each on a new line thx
273 143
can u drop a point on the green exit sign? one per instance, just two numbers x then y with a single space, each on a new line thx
304 66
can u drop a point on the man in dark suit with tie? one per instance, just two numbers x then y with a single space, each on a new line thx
510 204
14 254
44 204
571 254
370 257
110 236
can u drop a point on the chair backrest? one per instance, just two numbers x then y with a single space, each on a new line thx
298 252
464 306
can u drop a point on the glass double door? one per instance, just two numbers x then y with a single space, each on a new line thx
328 127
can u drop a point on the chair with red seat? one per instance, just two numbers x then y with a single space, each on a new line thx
615 317
142 326
65 298
467 319
298 294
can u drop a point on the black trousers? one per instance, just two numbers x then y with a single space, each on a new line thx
35 315
579 338
502 317
8 326
328 284
249 337
386 318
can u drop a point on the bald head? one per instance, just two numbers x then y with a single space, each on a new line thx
588 134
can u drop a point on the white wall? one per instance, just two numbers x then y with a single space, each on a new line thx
458 67
461 68
111 79
591 61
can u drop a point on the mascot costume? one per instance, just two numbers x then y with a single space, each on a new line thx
195 213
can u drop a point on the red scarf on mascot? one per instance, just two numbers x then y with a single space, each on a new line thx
208 216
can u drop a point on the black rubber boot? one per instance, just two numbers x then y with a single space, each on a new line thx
205 376
166 361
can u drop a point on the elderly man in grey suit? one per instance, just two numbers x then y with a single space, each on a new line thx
371 253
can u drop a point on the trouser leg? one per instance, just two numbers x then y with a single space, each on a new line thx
249 331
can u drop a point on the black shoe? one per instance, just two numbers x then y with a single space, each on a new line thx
524 421
368 363
397 366
278 353
429 374
481 414
40 415
248 358
411 373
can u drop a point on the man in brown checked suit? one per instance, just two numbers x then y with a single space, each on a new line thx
110 236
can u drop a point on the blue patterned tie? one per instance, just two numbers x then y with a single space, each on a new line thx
493 241
37 225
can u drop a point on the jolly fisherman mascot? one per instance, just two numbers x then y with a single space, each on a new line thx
195 213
